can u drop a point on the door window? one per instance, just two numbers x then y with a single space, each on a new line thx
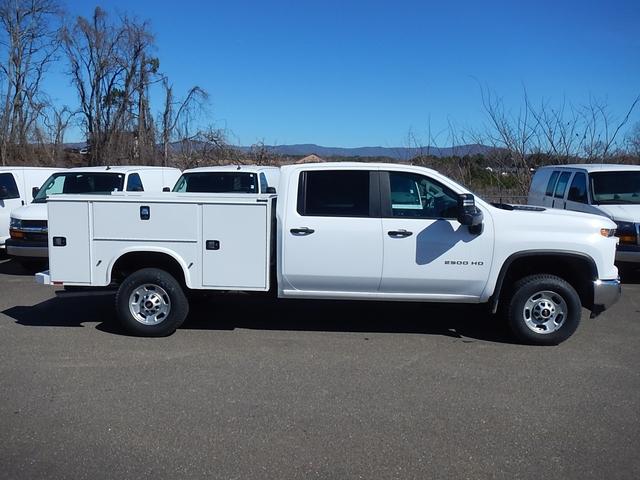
416 196
8 187
134 183
337 193
562 184
552 183
578 189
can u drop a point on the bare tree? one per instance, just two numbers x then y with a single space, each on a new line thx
28 39
105 61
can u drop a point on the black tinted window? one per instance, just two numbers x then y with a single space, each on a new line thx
338 193
134 183
578 189
552 183
8 187
562 184
416 196
217 182
263 183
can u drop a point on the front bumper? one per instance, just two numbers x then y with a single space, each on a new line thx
605 294
29 249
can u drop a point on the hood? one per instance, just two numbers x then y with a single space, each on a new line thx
33 211
622 213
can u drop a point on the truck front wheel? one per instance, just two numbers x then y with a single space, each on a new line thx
544 310
151 303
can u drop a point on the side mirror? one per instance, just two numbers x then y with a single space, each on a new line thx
271 190
166 189
34 191
468 213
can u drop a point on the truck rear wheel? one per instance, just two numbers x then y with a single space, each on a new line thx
544 310
151 303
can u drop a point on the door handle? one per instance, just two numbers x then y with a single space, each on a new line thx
302 231
399 233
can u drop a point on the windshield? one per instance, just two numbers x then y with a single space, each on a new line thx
616 188
94 183
217 182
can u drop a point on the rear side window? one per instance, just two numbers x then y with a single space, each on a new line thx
263 183
338 193
578 189
562 184
8 187
552 183
134 183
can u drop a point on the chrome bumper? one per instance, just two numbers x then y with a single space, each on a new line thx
31 252
605 294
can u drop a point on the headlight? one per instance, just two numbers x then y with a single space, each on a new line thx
15 223
627 233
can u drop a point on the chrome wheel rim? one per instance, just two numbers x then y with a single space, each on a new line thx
545 312
150 304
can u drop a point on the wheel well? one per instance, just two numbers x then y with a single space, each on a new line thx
576 269
133 261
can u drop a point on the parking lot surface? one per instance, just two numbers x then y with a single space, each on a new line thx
257 388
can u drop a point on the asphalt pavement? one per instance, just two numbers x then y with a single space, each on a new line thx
253 388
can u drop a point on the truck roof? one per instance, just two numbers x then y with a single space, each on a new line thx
595 167
117 168
358 166
231 168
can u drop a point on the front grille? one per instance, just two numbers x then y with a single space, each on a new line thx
34 224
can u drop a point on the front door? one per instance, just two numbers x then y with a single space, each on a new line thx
332 238
426 250
9 201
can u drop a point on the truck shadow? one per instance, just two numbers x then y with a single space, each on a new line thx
229 312
11 267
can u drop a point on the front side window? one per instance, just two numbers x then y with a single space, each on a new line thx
8 187
92 183
134 183
578 188
616 188
337 193
416 196
217 182
562 184
552 183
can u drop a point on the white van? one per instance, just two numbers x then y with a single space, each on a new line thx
28 229
229 179
17 189
612 191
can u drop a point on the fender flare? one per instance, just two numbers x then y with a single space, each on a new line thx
148 249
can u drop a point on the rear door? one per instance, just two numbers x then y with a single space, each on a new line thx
426 250
332 235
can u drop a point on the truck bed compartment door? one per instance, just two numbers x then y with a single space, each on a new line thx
235 246
69 242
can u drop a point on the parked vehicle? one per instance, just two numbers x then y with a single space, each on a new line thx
341 231
28 229
229 179
16 189
612 191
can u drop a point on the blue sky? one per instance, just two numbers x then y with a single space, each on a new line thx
366 72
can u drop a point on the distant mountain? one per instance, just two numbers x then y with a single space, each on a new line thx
397 153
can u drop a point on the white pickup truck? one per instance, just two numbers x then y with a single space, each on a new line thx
337 231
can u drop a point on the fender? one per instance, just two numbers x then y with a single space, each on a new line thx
495 297
145 249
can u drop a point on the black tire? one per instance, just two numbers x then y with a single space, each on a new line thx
178 303
524 290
